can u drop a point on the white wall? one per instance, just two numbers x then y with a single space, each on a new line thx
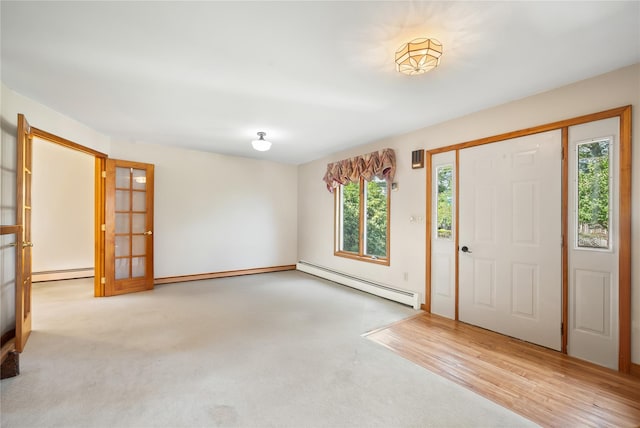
212 212
216 213
315 205
62 200
47 119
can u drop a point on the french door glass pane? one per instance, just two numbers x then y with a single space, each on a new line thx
122 268
139 201
139 223
139 179
122 178
593 192
139 242
122 200
122 223
122 246
138 267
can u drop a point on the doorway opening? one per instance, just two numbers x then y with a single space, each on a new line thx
63 212
74 154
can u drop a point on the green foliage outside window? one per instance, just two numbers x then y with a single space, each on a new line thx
445 201
593 194
376 217
376 229
351 217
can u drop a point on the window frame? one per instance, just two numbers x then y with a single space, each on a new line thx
360 255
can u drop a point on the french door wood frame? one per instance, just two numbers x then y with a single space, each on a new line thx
128 227
100 162
624 215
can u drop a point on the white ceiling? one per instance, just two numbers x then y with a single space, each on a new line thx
318 77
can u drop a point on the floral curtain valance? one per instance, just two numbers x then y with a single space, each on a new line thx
380 164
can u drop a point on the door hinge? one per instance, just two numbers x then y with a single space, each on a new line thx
103 227
103 280
104 174
563 153
561 328
562 241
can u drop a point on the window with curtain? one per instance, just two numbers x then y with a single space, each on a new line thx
362 205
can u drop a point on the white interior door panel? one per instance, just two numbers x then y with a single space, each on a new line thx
594 248
510 242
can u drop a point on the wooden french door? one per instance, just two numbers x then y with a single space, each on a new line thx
23 218
128 227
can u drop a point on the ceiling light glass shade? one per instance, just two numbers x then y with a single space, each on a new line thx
418 56
261 144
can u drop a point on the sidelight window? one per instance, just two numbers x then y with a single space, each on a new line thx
593 194
444 213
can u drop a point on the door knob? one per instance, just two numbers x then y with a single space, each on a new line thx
27 244
465 249
148 232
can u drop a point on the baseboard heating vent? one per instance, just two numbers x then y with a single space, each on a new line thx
56 275
409 298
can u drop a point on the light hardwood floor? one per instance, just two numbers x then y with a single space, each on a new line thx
545 386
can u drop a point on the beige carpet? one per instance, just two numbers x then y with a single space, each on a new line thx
272 350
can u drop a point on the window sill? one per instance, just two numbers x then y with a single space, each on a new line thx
368 259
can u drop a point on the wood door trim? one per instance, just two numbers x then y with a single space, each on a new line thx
223 274
624 268
624 257
99 221
429 216
99 201
606 114
39 133
565 233
456 256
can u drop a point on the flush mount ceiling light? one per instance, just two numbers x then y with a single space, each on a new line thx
261 144
418 56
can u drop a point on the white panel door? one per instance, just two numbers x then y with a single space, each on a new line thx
443 250
510 260
593 242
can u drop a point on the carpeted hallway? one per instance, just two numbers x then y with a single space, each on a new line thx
271 350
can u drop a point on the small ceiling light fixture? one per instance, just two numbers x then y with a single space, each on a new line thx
418 56
261 144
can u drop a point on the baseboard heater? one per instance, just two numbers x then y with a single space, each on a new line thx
409 298
56 275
